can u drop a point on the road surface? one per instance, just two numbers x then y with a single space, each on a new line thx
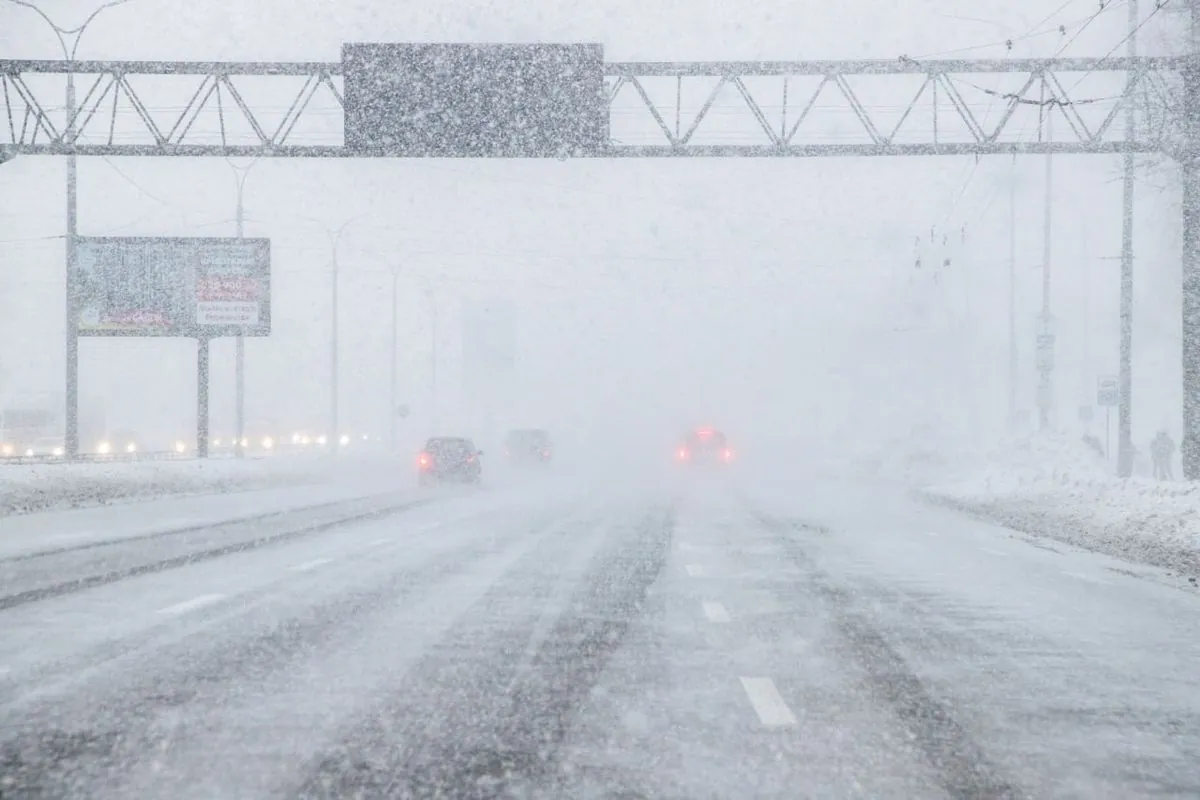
824 640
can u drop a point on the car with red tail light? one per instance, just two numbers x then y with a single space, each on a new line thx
449 459
704 446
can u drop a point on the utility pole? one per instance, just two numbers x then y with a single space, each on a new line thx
1125 366
1190 449
1046 321
1012 297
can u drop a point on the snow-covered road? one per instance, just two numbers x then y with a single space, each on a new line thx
829 640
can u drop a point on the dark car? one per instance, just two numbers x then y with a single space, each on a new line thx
527 447
449 459
704 446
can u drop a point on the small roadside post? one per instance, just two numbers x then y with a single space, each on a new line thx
1107 392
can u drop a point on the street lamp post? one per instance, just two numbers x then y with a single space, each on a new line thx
71 438
433 357
394 407
335 237
240 357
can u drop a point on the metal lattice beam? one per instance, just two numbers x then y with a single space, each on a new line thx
707 109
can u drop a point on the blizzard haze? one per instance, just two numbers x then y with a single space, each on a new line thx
776 298
639 477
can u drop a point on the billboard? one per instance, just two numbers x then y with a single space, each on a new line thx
475 100
200 288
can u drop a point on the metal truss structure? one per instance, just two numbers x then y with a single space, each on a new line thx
707 109
700 109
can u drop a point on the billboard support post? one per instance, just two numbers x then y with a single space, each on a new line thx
202 351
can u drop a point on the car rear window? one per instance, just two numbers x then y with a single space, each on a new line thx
449 446
529 438
713 440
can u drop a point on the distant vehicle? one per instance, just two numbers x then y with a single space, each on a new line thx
26 429
704 446
531 446
448 459
46 446
122 442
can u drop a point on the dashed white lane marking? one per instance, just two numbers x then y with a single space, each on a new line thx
193 604
4 671
716 612
992 552
378 542
768 703
930 533
695 570
310 565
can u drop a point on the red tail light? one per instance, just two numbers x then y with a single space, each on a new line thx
424 461
683 454
727 454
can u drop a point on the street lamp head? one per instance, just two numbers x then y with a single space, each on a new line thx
61 32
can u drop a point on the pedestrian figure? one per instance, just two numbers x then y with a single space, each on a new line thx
1162 450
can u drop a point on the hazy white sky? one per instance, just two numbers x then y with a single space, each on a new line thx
760 292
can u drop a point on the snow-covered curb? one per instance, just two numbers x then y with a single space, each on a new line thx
27 489
1057 487
1163 537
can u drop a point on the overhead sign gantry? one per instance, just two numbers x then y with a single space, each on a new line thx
206 109
565 101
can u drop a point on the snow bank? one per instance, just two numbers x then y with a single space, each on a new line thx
1058 488
29 488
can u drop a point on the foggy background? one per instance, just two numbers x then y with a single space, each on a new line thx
772 297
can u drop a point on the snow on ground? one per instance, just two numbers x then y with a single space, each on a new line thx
352 479
1058 488
42 487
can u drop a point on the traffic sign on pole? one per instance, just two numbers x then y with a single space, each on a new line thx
1107 391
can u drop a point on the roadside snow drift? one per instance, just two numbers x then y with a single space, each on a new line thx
1055 488
29 488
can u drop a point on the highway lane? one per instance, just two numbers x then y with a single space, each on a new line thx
818 641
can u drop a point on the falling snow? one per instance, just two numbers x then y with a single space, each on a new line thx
627 399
